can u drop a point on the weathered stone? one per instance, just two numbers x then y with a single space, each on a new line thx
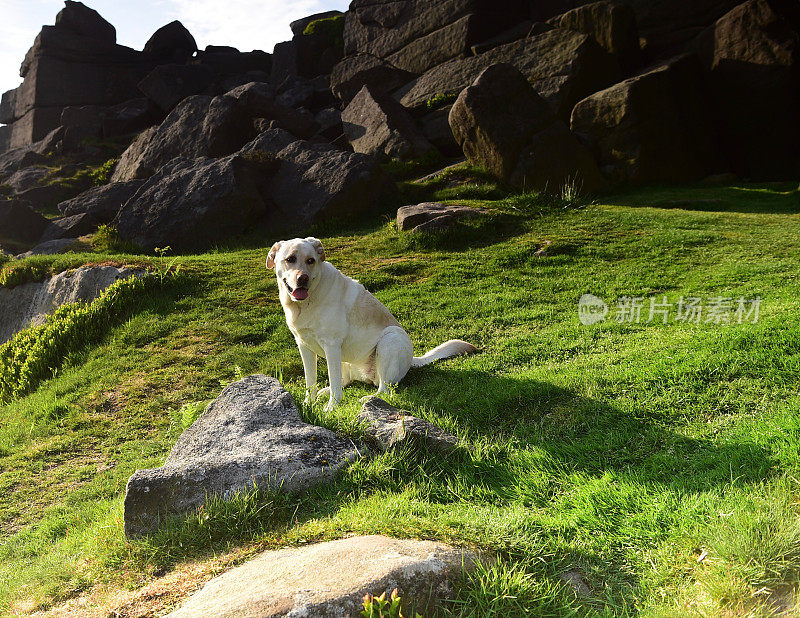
103 202
130 116
194 203
20 226
79 124
388 427
259 100
359 70
250 436
753 55
70 227
29 304
315 54
381 126
299 25
563 66
436 129
18 159
178 135
380 28
495 117
233 62
45 196
33 126
555 162
284 62
612 25
80 19
409 218
168 84
49 247
8 105
651 127
330 579
295 92
171 43
24 179
317 181
450 41
520 31
330 123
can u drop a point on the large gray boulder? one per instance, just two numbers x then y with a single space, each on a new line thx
379 125
753 57
29 304
330 579
80 19
168 84
250 436
315 180
612 25
500 117
20 226
194 203
103 202
350 74
69 227
563 66
171 43
17 159
178 135
652 127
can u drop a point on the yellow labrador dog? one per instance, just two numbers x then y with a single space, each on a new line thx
334 316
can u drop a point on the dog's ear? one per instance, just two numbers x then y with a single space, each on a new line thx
318 246
272 253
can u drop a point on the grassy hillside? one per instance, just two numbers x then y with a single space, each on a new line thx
655 464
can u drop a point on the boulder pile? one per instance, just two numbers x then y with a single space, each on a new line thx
542 94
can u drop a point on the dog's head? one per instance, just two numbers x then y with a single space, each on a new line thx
296 263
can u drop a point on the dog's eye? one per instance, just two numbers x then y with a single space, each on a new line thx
310 261
291 259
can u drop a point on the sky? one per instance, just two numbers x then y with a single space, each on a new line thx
244 24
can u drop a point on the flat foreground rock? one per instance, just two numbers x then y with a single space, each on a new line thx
430 216
330 579
389 426
251 435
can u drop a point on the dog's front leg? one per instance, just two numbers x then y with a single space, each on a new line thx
310 370
333 357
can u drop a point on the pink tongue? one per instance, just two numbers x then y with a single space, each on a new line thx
300 293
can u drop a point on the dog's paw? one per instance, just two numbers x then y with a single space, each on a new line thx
324 392
330 405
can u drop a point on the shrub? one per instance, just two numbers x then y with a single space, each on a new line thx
102 174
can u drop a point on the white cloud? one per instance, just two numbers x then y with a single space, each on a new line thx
245 24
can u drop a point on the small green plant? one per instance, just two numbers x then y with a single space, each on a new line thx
190 412
106 239
19 272
440 100
5 189
381 607
165 266
101 175
332 28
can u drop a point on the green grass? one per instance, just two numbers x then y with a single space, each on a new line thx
660 462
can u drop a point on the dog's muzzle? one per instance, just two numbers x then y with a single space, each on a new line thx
298 293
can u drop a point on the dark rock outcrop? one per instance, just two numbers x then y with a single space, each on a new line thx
388 427
503 125
299 25
102 203
612 25
20 226
171 43
70 227
651 127
251 435
562 65
353 72
169 84
381 126
316 181
194 203
753 56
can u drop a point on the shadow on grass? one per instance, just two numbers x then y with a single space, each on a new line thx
767 198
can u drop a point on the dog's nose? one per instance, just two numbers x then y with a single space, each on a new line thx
302 280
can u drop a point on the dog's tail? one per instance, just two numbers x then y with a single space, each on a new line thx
454 347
